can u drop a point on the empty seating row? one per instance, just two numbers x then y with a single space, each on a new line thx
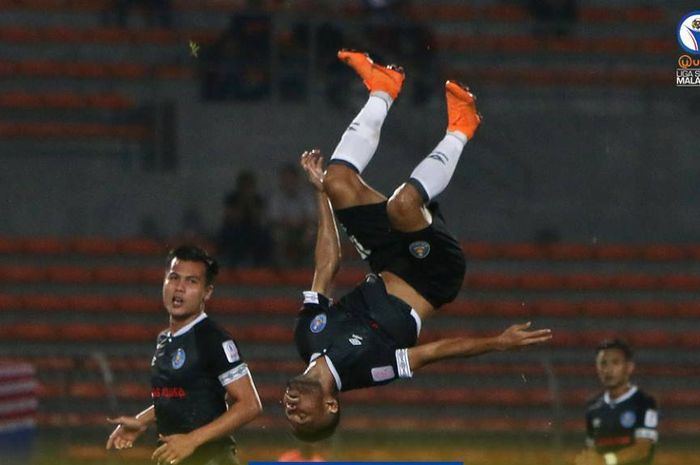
63 130
473 250
301 278
92 70
64 100
454 41
434 11
604 76
282 334
479 43
290 304
93 246
108 35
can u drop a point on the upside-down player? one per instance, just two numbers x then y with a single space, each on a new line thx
369 336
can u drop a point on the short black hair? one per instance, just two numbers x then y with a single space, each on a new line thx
618 344
192 253
307 434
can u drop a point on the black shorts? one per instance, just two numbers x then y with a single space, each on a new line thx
430 260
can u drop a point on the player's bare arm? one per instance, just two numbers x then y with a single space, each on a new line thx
515 337
327 252
245 407
129 428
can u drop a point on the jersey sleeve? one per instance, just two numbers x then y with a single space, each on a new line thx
224 358
316 301
647 421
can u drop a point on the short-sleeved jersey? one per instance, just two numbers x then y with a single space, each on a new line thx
615 424
364 336
189 372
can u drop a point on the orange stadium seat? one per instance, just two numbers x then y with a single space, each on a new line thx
653 309
602 308
45 246
653 339
94 246
480 250
557 308
137 304
569 251
145 247
69 274
663 252
687 309
10 246
10 302
22 273
616 252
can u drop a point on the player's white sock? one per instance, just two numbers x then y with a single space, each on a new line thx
433 174
360 140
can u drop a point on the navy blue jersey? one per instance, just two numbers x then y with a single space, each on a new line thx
615 424
189 372
364 336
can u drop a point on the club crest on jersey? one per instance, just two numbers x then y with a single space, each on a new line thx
596 422
318 323
419 249
178 358
628 418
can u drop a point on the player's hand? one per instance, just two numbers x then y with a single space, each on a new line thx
174 449
126 432
589 457
312 163
520 336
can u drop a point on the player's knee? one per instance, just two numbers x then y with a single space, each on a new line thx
404 205
339 181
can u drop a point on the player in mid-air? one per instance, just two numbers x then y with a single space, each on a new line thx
369 336
622 421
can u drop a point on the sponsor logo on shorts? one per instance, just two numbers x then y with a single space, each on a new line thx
179 358
628 418
318 324
419 249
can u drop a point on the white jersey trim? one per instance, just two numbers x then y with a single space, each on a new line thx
334 372
419 322
188 326
646 433
403 364
606 397
234 374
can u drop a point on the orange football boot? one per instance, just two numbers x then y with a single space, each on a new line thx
376 77
461 109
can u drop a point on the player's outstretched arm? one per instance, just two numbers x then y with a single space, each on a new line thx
129 428
327 252
515 337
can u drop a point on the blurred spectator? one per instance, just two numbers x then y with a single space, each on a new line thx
244 238
553 17
158 12
237 65
192 227
292 217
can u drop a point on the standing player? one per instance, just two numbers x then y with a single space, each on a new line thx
195 368
621 422
369 336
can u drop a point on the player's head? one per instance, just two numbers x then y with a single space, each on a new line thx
312 412
614 363
189 281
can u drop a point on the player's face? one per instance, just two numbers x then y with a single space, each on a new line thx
303 402
614 369
185 289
